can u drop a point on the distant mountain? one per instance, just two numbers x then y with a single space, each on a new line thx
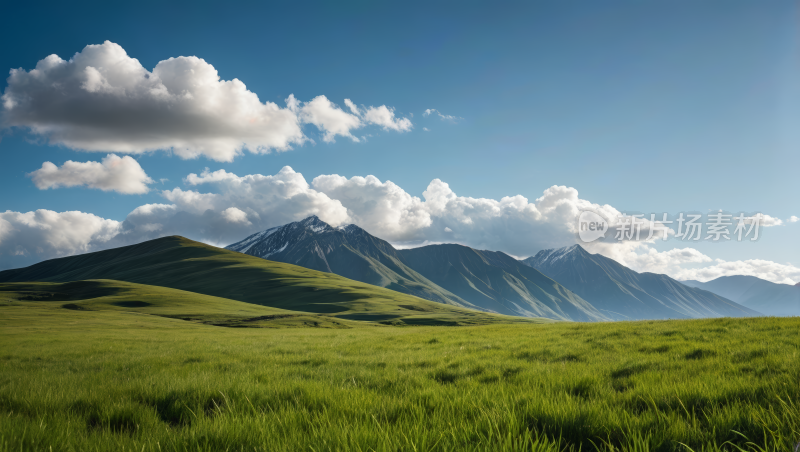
497 281
347 251
755 293
622 293
179 263
450 274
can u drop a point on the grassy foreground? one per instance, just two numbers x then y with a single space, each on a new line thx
78 380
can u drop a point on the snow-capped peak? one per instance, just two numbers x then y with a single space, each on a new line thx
315 224
553 255
349 228
247 243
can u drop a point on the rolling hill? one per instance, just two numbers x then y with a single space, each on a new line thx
110 295
755 293
624 294
452 274
179 263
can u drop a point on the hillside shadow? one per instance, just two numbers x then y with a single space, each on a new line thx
70 291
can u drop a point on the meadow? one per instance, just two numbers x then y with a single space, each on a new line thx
124 380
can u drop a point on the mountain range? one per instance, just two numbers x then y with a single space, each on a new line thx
563 284
765 296
624 294
179 263
346 274
451 274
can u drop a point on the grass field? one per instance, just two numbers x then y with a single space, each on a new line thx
116 378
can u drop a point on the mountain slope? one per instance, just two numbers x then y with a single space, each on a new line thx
180 263
484 280
622 293
347 251
764 296
496 281
110 295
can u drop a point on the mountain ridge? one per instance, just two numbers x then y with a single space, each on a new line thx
179 263
352 252
755 293
625 294
311 243
499 281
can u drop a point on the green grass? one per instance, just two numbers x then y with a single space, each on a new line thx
115 378
104 295
94 295
179 263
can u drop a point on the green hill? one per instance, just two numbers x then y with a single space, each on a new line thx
109 295
179 263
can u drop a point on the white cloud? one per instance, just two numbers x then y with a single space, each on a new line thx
104 100
267 200
768 221
442 116
384 116
353 108
234 215
641 257
190 200
764 269
793 219
376 205
114 173
332 120
28 237
329 118
221 207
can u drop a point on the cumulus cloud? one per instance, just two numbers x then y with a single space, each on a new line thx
242 204
234 215
104 100
384 116
641 257
28 237
793 219
330 118
376 205
114 173
220 207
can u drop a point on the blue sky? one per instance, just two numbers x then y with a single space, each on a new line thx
648 106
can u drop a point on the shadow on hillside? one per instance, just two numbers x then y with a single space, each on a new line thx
77 290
